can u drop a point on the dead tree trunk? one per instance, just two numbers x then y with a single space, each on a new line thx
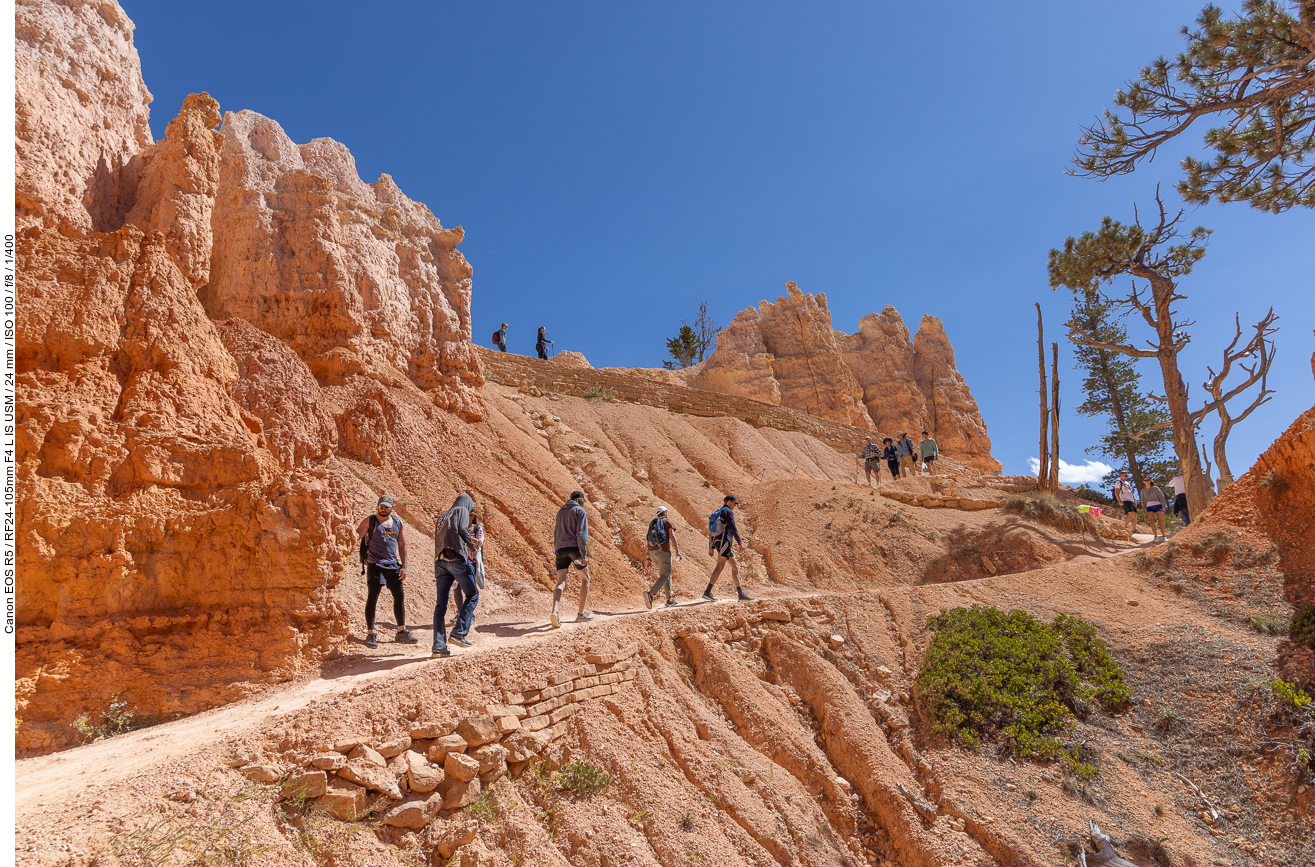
1043 470
1054 419
1261 348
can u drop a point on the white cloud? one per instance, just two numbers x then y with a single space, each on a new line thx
1076 474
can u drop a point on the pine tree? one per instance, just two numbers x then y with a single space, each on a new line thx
682 348
1113 391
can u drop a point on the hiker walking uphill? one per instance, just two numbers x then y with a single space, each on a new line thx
383 550
928 450
871 456
1156 505
542 344
571 541
500 338
721 530
453 549
477 562
907 462
891 454
1125 497
661 543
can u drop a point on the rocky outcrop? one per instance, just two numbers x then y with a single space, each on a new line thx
350 275
80 113
786 353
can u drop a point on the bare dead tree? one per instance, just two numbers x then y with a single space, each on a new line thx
1054 418
705 331
1043 470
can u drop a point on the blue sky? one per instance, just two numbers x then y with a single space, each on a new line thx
614 164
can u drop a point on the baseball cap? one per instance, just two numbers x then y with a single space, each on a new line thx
386 500
577 495
662 510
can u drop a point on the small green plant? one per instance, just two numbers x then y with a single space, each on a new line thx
596 392
1269 624
990 673
1275 481
1166 721
583 778
1159 810
114 720
1302 628
1215 546
688 822
707 484
1289 695
1033 795
485 807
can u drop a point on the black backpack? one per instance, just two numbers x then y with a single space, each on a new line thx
657 532
365 542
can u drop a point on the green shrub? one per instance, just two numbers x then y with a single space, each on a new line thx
1302 627
1289 695
485 807
1047 509
583 778
989 674
114 720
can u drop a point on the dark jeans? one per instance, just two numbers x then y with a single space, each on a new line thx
502 347
894 469
542 353
445 573
373 587
1180 506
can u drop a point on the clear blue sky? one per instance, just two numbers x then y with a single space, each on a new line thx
614 164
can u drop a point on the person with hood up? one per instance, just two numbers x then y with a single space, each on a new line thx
571 540
453 549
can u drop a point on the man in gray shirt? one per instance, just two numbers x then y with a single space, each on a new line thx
385 564
571 539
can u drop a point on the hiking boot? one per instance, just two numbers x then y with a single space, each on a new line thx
439 652
671 602
555 620
404 636
744 597
648 600
459 640
707 594
584 617
372 640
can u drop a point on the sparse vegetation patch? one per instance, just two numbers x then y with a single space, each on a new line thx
583 778
1012 678
1302 628
1047 509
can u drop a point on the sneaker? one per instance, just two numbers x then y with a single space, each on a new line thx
438 652
584 617
372 640
671 602
744 597
404 636
707 594
459 640
555 620
648 600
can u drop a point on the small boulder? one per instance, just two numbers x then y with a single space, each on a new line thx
460 793
395 747
346 745
508 724
362 752
414 813
428 731
372 777
492 762
777 614
836 641
460 767
329 761
447 744
454 836
525 745
421 776
260 773
304 785
342 801
478 730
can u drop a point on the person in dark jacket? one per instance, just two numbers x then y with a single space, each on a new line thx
891 454
542 344
454 548
500 338
385 564
571 540
719 544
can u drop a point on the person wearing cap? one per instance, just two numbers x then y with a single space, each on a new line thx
571 539
891 454
500 338
871 456
385 565
660 530
719 543
908 464
928 450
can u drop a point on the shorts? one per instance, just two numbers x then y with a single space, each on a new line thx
929 460
1129 507
872 465
1155 507
568 557
723 549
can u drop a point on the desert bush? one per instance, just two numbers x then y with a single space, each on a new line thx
1047 509
991 674
1216 546
114 720
1292 738
485 807
1302 628
583 778
1269 624
596 392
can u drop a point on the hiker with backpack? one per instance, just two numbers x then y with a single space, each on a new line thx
477 534
1156 505
383 560
453 551
500 338
661 544
542 344
571 540
928 450
1179 488
871 456
908 464
1125 497
721 530
891 454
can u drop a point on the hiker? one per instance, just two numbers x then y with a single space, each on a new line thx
871 456
891 454
1156 505
453 549
477 534
542 344
1126 498
571 539
721 529
927 448
500 338
907 462
385 564
661 545
1179 487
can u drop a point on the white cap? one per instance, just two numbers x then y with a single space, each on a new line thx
662 510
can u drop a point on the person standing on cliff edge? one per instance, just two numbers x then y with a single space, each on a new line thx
871 456
500 338
571 540
385 564
722 531
541 345
454 549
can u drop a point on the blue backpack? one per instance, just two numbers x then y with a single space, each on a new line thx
716 526
657 532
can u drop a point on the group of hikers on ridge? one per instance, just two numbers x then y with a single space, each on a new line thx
459 564
901 456
540 345
1154 501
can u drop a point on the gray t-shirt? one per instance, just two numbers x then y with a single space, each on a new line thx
383 544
